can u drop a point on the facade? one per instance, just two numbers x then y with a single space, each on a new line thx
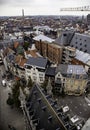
72 79
88 19
68 54
19 69
50 50
76 40
35 68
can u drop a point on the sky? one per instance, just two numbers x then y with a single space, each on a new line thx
40 7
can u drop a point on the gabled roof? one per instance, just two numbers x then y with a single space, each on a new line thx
82 56
33 53
43 38
50 71
64 38
16 44
69 70
8 51
38 62
20 60
81 42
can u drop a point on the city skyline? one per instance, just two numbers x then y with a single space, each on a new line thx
40 7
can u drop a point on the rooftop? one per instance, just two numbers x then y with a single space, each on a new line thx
38 62
71 69
43 38
45 113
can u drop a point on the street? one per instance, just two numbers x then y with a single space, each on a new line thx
8 115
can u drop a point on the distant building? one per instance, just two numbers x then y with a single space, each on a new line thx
88 19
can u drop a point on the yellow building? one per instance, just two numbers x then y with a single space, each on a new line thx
72 78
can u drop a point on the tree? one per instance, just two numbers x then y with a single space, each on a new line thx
10 101
26 45
16 93
44 85
30 83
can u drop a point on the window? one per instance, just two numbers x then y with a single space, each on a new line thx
80 44
41 78
85 45
40 75
64 35
85 51
34 78
76 42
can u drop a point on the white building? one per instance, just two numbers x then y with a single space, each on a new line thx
35 68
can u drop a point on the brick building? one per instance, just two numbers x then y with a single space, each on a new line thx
50 50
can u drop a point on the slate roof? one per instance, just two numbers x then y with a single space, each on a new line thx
81 42
50 71
69 70
38 62
64 38
45 113
11 57
77 40
43 38
20 60
82 56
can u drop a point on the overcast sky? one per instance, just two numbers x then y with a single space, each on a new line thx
39 7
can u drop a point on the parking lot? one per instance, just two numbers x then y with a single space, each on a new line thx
78 105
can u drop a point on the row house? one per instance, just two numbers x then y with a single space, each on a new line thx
35 68
19 69
68 79
71 78
68 54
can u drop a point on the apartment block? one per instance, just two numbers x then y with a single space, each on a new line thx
68 54
50 50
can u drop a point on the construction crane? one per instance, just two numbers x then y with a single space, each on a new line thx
84 8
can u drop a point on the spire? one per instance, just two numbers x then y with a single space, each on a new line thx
49 87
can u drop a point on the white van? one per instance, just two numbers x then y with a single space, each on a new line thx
4 82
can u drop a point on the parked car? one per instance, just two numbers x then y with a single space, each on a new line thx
4 82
